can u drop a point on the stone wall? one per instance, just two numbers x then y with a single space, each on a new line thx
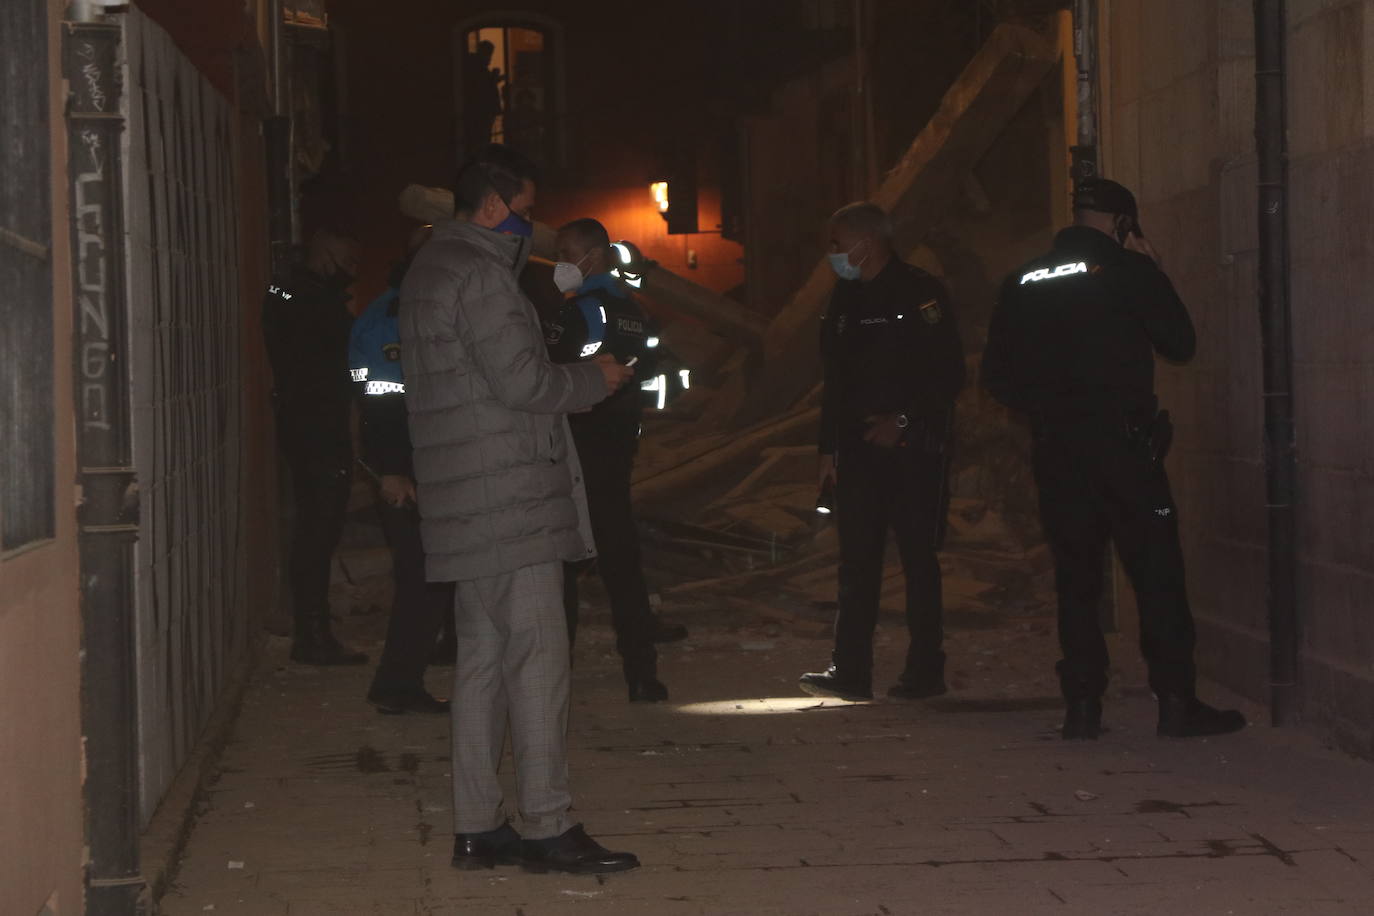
1178 128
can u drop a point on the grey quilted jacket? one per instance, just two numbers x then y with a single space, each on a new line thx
499 483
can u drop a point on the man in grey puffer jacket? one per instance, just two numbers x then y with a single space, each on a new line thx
502 507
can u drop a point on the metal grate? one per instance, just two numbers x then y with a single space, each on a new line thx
182 241
26 342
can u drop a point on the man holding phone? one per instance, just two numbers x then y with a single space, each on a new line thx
1072 343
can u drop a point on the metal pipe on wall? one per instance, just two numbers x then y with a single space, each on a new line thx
107 515
276 132
1084 154
1280 442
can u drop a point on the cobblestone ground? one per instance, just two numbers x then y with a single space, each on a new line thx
742 797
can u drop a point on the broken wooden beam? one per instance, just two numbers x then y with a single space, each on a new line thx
741 446
919 192
721 314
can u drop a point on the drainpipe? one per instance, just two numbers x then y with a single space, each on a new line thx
107 513
1280 445
277 135
1085 52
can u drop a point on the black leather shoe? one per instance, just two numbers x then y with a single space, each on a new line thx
1082 719
576 853
647 690
829 684
1183 716
918 688
474 851
396 703
325 650
668 632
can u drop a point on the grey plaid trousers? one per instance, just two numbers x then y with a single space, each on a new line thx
512 666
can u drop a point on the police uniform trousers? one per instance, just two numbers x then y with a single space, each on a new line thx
319 457
512 668
877 489
418 610
1096 483
607 456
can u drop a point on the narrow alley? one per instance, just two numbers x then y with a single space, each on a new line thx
942 430
744 798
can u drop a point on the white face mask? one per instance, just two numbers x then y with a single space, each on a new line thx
569 277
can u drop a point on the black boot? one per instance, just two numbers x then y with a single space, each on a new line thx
920 681
315 644
1185 716
642 680
1082 719
830 683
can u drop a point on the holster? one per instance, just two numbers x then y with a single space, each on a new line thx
1154 435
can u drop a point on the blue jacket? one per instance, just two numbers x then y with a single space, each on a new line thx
603 317
374 360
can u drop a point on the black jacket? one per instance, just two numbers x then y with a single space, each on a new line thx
890 345
1075 331
625 333
306 323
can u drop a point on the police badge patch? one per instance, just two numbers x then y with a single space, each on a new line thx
931 311
392 352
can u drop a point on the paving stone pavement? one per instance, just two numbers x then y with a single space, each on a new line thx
742 797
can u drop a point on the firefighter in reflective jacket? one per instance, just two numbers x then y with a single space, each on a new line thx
306 322
419 607
602 317
1072 343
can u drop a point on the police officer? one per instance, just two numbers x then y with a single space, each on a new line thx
893 366
1072 343
602 317
374 358
306 324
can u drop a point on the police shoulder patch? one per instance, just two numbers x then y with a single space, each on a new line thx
931 311
392 352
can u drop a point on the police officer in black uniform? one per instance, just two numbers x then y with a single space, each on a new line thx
420 608
306 324
603 317
893 367
1072 343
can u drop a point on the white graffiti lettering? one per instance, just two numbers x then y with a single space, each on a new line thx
92 287
91 71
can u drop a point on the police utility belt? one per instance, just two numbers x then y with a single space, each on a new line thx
1148 430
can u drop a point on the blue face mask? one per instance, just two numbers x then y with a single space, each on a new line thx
839 261
515 224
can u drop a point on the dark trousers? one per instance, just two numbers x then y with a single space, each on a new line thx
902 489
1095 483
419 608
607 462
321 477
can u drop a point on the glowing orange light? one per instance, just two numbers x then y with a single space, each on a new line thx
660 191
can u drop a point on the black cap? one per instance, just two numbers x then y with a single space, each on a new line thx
1105 196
